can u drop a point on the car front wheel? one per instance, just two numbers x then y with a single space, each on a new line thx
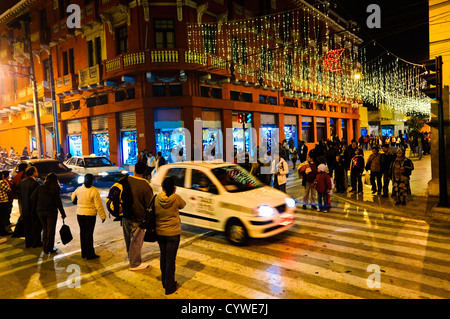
236 232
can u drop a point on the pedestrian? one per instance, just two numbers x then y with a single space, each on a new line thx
12 153
419 146
308 173
151 164
302 152
31 223
168 230
47 199
5 190
141 197
386 160
356 170
34 153
294 154
323 187
6 219
374 166
401 169
25 153
280 171
89 203
339 174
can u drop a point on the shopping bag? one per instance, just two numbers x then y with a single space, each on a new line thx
65 233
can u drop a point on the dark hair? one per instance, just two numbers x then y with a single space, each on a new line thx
168 186
88 180
375 148
51 182
139 168
385 145
30 171
22 167
5 173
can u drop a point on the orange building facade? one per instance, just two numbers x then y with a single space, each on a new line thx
153 75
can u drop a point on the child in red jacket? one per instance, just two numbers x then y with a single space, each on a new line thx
323 186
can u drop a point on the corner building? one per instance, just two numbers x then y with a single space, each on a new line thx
141 74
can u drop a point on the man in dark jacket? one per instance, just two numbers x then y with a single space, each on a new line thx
32 225
140 201
356 170
302 151
387 157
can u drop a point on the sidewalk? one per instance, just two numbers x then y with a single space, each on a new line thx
418 205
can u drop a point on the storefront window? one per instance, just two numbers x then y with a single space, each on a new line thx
75 145
307 129
168 140
344 129
100 144
321 129
129 147
212 143
269 136
333 127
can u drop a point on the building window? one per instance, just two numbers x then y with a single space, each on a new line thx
65 63
209 39
216 93
94 51
159 90
68 62
235 95
204 91
122 39
272 100
307 129
46 68
235 48
164 33
247 97
262 99
176 90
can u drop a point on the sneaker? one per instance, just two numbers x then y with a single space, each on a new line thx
314 207
304 207
140 267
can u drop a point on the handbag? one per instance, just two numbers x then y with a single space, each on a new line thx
149 223
65 233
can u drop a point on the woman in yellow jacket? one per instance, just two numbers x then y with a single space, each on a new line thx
87 198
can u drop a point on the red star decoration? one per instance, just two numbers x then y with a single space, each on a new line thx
332 58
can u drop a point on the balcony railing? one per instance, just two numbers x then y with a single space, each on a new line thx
66 83
129 62
89 76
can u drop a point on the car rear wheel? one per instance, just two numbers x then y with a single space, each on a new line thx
236 232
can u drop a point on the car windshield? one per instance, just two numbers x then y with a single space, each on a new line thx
56 167
236 179
96 162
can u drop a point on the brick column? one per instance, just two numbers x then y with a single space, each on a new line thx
86 141
114 138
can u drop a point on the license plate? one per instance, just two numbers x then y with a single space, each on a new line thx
286 219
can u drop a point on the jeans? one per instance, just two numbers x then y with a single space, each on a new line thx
134 239
323 200
309 190
375 181
356 179
419 151
168 246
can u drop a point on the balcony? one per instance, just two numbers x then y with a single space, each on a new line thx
89 77
163 59
67 83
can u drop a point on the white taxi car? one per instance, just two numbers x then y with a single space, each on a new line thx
226 197
99 166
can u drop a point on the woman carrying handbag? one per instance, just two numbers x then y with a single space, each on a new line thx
87 198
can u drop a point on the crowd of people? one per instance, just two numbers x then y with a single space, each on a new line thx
39 205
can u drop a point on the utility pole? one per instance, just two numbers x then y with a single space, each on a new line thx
24 21
54 106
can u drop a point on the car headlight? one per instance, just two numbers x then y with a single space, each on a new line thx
290 202
265 211
80 179
124 172
103 174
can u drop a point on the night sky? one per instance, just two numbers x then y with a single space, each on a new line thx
404 26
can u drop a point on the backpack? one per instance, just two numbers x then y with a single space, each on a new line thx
119 200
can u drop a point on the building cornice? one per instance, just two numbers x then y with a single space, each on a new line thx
15 10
